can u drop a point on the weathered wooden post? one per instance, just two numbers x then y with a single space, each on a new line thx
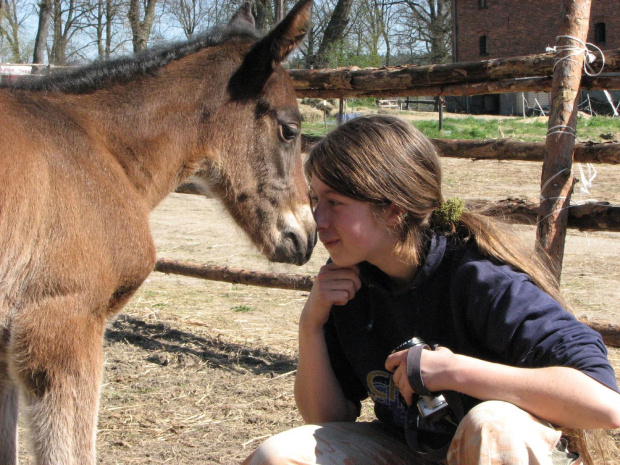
557 179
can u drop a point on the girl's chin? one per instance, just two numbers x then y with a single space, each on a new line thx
343 261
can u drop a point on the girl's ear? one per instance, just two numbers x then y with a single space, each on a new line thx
394 215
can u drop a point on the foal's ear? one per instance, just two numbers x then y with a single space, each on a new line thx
266 54
243 17
287 35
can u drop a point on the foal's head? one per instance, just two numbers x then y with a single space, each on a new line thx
256 167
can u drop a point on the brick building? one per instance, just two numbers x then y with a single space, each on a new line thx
485 29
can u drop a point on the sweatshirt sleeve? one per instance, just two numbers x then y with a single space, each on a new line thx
524 326
351 386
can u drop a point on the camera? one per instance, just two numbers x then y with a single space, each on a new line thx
430 428
434 407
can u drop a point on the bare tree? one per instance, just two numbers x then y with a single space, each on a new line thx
40 42
68 18
189 14
373 22
427 22
278 9
10 28
333 34
105 20
141 27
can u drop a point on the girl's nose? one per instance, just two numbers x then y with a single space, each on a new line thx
320 217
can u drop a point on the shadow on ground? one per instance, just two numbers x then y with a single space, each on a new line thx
165 344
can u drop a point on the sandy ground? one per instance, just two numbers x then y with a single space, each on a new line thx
199 372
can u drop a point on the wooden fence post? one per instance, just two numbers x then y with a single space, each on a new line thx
557 179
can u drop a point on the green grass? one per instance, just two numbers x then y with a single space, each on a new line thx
481 129
318 128
596 129
242 308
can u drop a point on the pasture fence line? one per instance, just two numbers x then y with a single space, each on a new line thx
561 67
236 275
496 76
561 74
589 216
508 149
609 331
557 178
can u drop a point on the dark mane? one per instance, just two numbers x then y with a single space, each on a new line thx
101 74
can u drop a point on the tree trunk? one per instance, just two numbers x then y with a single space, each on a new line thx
260 14
334 33
59 44
110 13
557 178
40 42
278 10
141 29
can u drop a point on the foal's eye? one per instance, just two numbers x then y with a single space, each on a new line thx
313 201
288 132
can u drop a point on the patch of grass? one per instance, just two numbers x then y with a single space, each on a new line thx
482 129
596 129
242 308
319 128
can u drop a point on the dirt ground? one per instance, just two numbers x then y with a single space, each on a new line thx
199 372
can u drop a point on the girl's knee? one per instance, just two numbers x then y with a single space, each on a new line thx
295 446
499 432
496 417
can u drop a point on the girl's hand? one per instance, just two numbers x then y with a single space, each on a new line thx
433 366
397 364
334 285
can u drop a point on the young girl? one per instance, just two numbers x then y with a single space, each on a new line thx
405 262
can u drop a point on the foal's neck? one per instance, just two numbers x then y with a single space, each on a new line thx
153 127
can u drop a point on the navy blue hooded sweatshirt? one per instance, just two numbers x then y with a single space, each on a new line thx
463 301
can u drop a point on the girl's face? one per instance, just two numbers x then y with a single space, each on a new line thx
352 231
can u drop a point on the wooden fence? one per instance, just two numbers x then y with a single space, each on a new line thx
543 72
560 72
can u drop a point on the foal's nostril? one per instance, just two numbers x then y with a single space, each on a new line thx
294 238
293 248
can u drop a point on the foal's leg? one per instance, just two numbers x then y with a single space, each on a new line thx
58 357
8 417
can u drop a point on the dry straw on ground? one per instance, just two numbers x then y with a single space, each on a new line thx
199 372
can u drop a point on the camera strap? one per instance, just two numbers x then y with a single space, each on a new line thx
414 369
429 439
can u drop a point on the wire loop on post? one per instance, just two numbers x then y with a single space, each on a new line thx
562 129
575 50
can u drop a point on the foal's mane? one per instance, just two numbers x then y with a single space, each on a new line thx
102 74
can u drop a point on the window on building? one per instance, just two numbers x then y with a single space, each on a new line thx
483 46
599 33
482 4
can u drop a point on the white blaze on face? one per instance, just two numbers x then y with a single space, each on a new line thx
293 236
300 221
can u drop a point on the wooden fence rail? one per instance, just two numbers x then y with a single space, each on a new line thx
517 74
508 149
590 216
235 275
609 331
505 75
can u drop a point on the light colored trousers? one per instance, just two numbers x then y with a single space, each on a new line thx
492 433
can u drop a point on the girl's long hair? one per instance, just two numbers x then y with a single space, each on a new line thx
383 160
